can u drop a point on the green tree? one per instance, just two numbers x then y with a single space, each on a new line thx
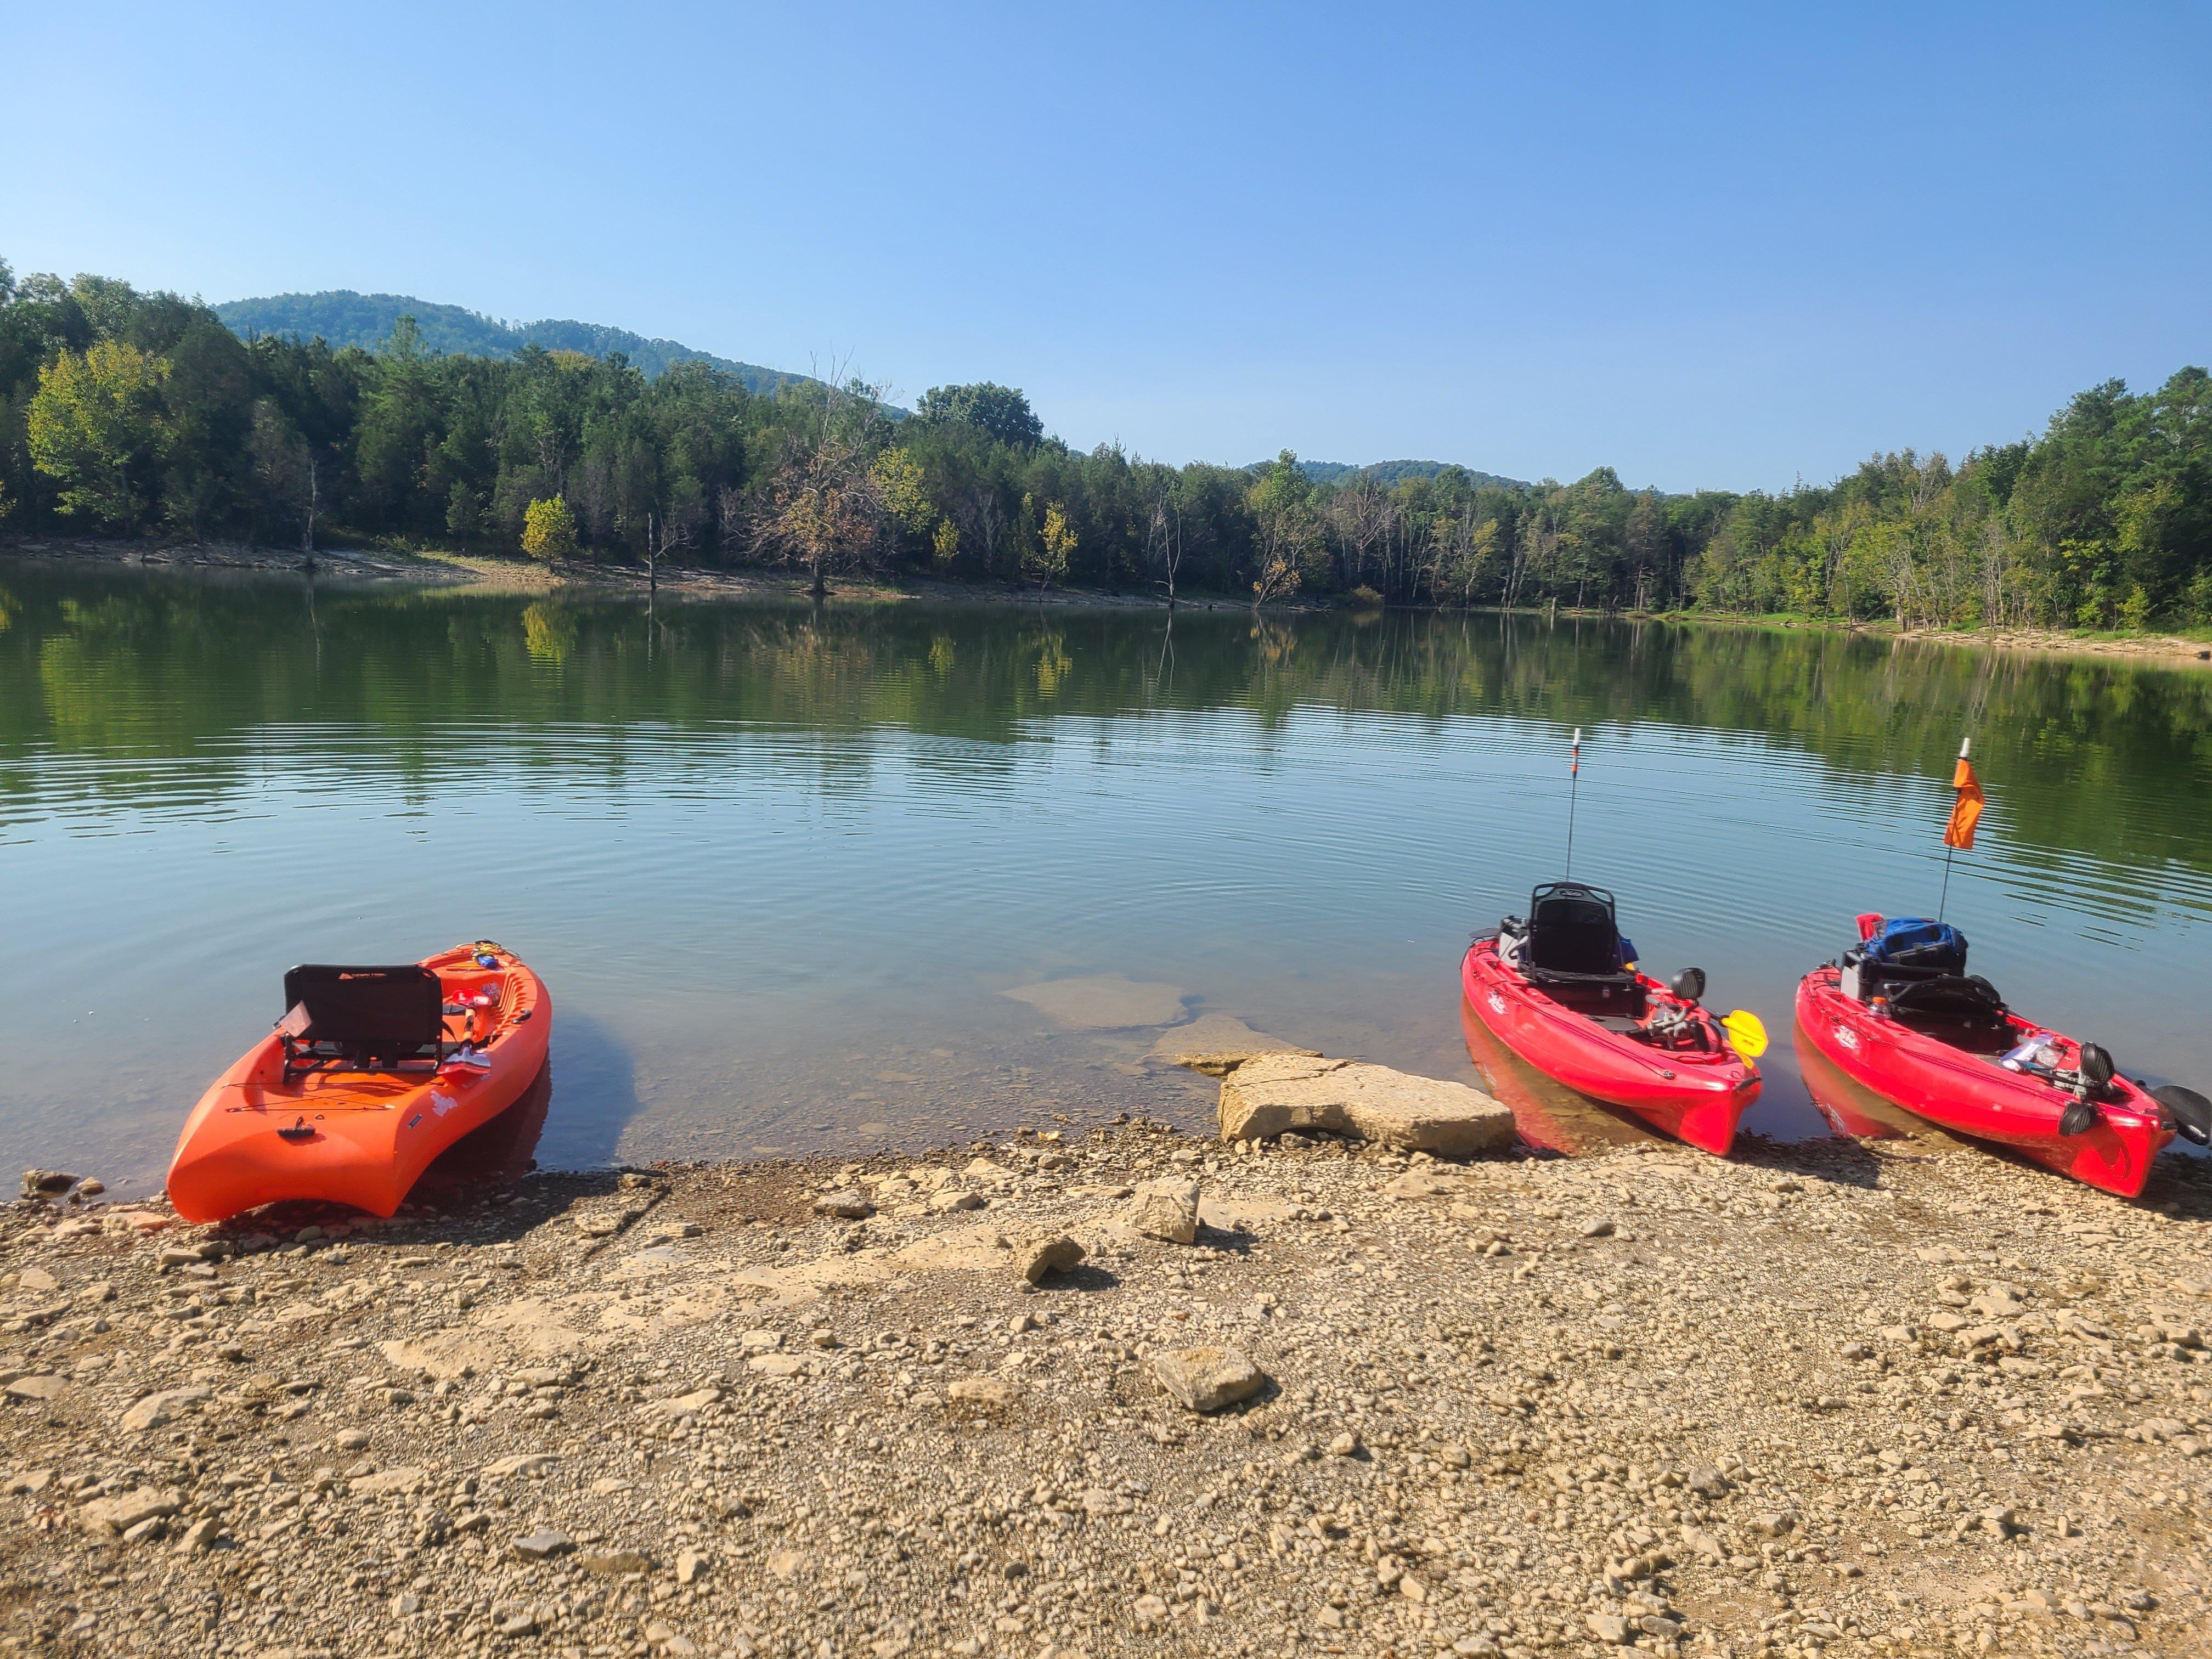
1290 530
1001 412
95 424
548 530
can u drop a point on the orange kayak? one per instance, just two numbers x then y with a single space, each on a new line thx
372 1073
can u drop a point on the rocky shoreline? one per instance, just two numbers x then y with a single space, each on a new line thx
1125 1391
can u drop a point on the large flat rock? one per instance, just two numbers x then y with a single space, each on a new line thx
1274 1093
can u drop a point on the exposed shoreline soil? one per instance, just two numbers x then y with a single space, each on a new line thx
510 574
1857 1398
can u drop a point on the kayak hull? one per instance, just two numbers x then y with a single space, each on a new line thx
1546 1114
1967 1092
1696 1096
356 1138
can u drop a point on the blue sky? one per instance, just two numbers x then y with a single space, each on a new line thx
1709 245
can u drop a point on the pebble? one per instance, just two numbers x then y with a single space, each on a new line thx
1043 1257
1208 1379
542 1543
1166 1209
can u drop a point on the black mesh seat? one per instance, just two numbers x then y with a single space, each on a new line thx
1572 937
362 1019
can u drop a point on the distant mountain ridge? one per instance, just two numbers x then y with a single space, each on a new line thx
344 317
1391 472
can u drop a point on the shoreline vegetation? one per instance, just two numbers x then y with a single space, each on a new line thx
494 572
143 416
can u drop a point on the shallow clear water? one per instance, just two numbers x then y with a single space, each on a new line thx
779 867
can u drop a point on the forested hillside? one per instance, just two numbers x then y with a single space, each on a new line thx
346 318
1391 472
123 413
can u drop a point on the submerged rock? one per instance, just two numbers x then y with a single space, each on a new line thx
1104 1002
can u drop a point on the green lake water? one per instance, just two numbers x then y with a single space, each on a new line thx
779 867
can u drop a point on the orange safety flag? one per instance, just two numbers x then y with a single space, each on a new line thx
1967 811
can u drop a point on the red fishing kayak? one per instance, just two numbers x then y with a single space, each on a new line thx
371 1074
1559 990
1945 1047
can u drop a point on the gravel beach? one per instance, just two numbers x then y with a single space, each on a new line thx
1884 1398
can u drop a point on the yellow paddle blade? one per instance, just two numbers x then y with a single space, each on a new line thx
1747 1033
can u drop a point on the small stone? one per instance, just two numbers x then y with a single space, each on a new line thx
350 1439
406 1604
1045 1256
36 1388
147 1530
1611 1627
1345 1445
521 1463
114 1517
1208 1379
1021 1324
200 1535
777 1364
983 1390
47 1183
1707 1481
691 1566
1148 1610
844 1206
37 1279
1166 1209
614 1563
761 1341
545 1542
91 1188
1598 1228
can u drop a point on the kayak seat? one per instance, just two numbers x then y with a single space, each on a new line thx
361 1018
1572 938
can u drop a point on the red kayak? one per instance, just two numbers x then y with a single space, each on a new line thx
1907 1024
1561 991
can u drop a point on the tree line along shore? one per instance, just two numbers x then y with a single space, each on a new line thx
140 415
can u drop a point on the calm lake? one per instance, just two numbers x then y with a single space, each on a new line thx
779 866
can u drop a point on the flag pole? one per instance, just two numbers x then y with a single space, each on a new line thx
1574 786
1949 851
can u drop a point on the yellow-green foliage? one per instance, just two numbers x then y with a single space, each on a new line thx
95 424
548 530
